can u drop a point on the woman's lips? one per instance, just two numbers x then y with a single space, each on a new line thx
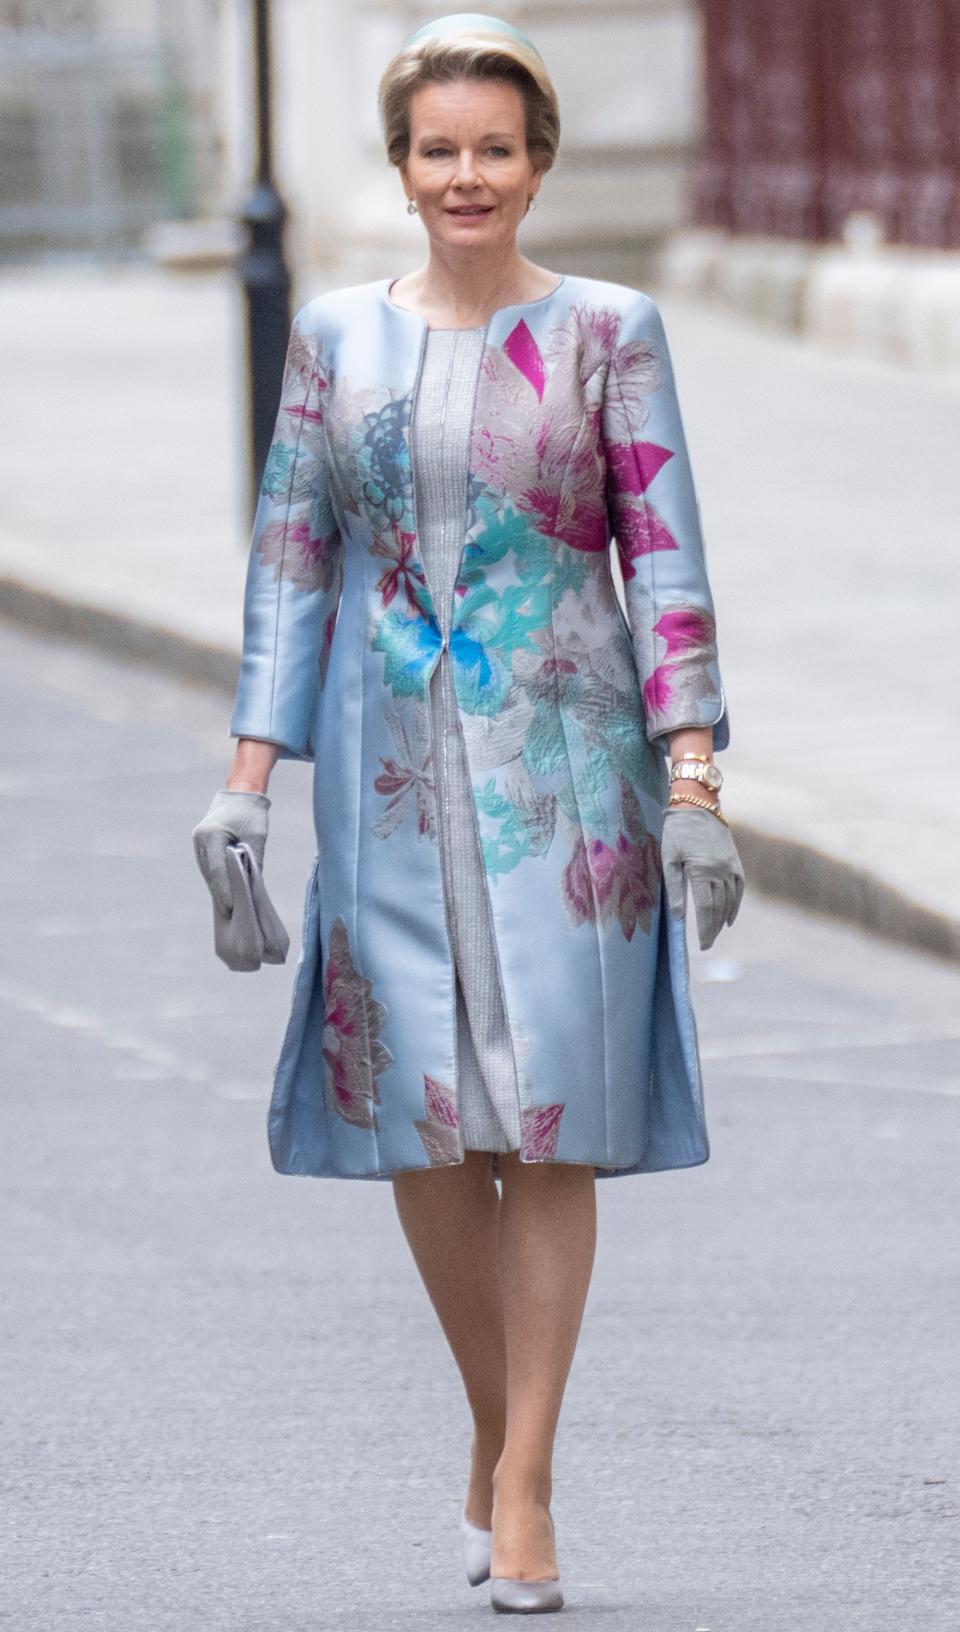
471 212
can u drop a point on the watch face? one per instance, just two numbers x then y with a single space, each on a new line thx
711 776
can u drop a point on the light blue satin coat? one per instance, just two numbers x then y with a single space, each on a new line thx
566 707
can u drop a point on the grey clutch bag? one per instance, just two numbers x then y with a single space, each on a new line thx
253 933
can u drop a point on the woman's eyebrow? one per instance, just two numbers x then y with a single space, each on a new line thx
437 136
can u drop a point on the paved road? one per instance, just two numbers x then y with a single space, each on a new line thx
228 1405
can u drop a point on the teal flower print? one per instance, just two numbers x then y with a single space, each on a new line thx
410 647
384 461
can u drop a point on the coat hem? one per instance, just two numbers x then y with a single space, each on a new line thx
602 1170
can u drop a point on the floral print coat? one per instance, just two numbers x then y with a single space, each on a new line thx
577 447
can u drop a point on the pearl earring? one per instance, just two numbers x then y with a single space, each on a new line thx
411 206
531 202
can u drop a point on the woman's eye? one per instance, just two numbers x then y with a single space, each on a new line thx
495 149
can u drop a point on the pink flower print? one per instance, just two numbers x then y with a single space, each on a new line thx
640 531
616 883
586 336
638 876
639 372
353 1055
600 323
540 1130
657 691
440 1129
685 628
635 373
563 514
299 366
603 862
554 668
683 679
407 781
577 885
633 465
441 1105
404 571
625 880
524 354
298 554
308 416
518 441
635 883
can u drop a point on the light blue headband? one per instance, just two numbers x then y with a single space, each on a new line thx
462 22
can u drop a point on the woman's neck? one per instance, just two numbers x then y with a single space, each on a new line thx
460 292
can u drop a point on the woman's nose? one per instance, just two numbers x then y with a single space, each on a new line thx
466 169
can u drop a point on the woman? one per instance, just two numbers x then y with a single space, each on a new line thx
492 985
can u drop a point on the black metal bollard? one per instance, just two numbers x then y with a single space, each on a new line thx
262 269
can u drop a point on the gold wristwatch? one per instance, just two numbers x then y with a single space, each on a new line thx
696 768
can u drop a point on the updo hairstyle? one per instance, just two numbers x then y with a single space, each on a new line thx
470 55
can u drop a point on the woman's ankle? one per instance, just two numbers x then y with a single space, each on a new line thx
524 1543
522 1479
485 1451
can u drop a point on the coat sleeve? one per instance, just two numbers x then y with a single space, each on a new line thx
655 519
294 571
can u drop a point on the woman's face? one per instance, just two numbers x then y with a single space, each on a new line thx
468 167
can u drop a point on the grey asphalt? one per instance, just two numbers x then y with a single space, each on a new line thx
226 1401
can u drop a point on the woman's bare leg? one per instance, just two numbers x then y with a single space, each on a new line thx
547 1248
508 1277
450 1217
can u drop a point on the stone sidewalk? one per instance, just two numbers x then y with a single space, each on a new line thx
828 491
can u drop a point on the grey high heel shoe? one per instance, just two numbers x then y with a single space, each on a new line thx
510 1596
476 1550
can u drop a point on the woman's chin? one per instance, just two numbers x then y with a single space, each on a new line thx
472 228
480 234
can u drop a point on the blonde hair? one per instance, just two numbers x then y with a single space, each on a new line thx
472 54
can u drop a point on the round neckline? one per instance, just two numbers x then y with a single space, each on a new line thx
514 306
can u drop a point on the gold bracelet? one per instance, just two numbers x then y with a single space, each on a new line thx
688 799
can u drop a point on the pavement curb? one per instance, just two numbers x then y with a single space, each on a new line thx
797 872
120 634
783 868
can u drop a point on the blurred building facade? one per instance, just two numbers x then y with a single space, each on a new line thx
109 118
117 114
826 193
816 110
800 161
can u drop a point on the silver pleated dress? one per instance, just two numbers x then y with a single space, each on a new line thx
440 440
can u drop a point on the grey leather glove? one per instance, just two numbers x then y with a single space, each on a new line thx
699 849
233 815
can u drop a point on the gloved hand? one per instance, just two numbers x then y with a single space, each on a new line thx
234 814
698 848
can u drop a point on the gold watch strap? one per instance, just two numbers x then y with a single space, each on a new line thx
682 771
